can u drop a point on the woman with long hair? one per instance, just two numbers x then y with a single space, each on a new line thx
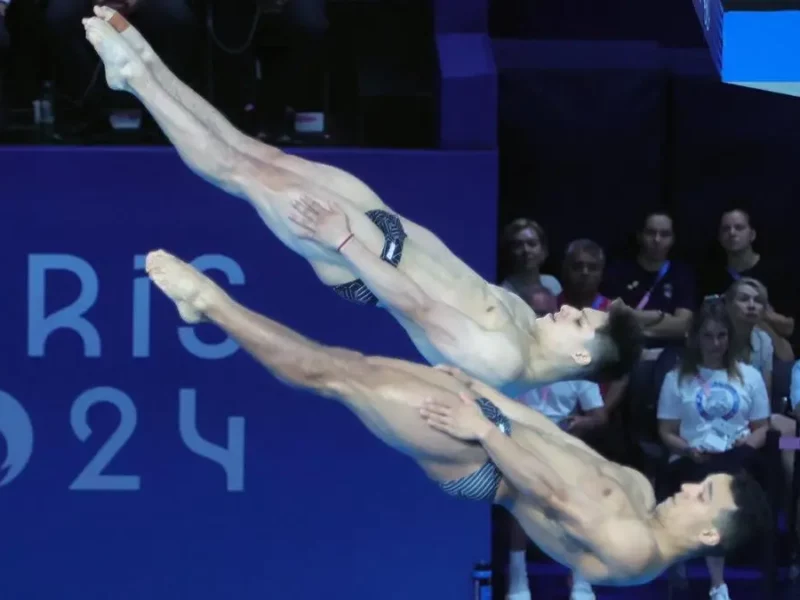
661 290
713 413
757 344
754 341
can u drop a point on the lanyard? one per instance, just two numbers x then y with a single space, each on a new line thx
661 273
598 302
734 274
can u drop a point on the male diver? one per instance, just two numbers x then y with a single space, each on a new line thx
359 246
592 515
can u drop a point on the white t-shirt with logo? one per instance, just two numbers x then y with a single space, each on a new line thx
714 410
560 400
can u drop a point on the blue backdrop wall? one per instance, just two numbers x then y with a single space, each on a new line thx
144 459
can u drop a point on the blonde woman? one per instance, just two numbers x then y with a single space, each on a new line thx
755 342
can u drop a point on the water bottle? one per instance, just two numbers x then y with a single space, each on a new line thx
482 581
43 116
46 110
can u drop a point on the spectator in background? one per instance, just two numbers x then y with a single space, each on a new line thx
736 236
713 413
523 250
4 39
794 400
582 274
794 394
786 425
660 290
748 301
754 344
169 26
577 407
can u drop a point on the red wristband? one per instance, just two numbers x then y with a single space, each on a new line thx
347 239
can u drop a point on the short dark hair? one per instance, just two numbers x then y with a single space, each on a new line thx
752 517
736 208
654 213
517 226
621 341
508 236
584 246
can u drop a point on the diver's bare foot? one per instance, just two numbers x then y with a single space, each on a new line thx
128 32
121 62
192 292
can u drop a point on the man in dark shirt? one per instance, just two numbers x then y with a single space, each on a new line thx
736 236
660 290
